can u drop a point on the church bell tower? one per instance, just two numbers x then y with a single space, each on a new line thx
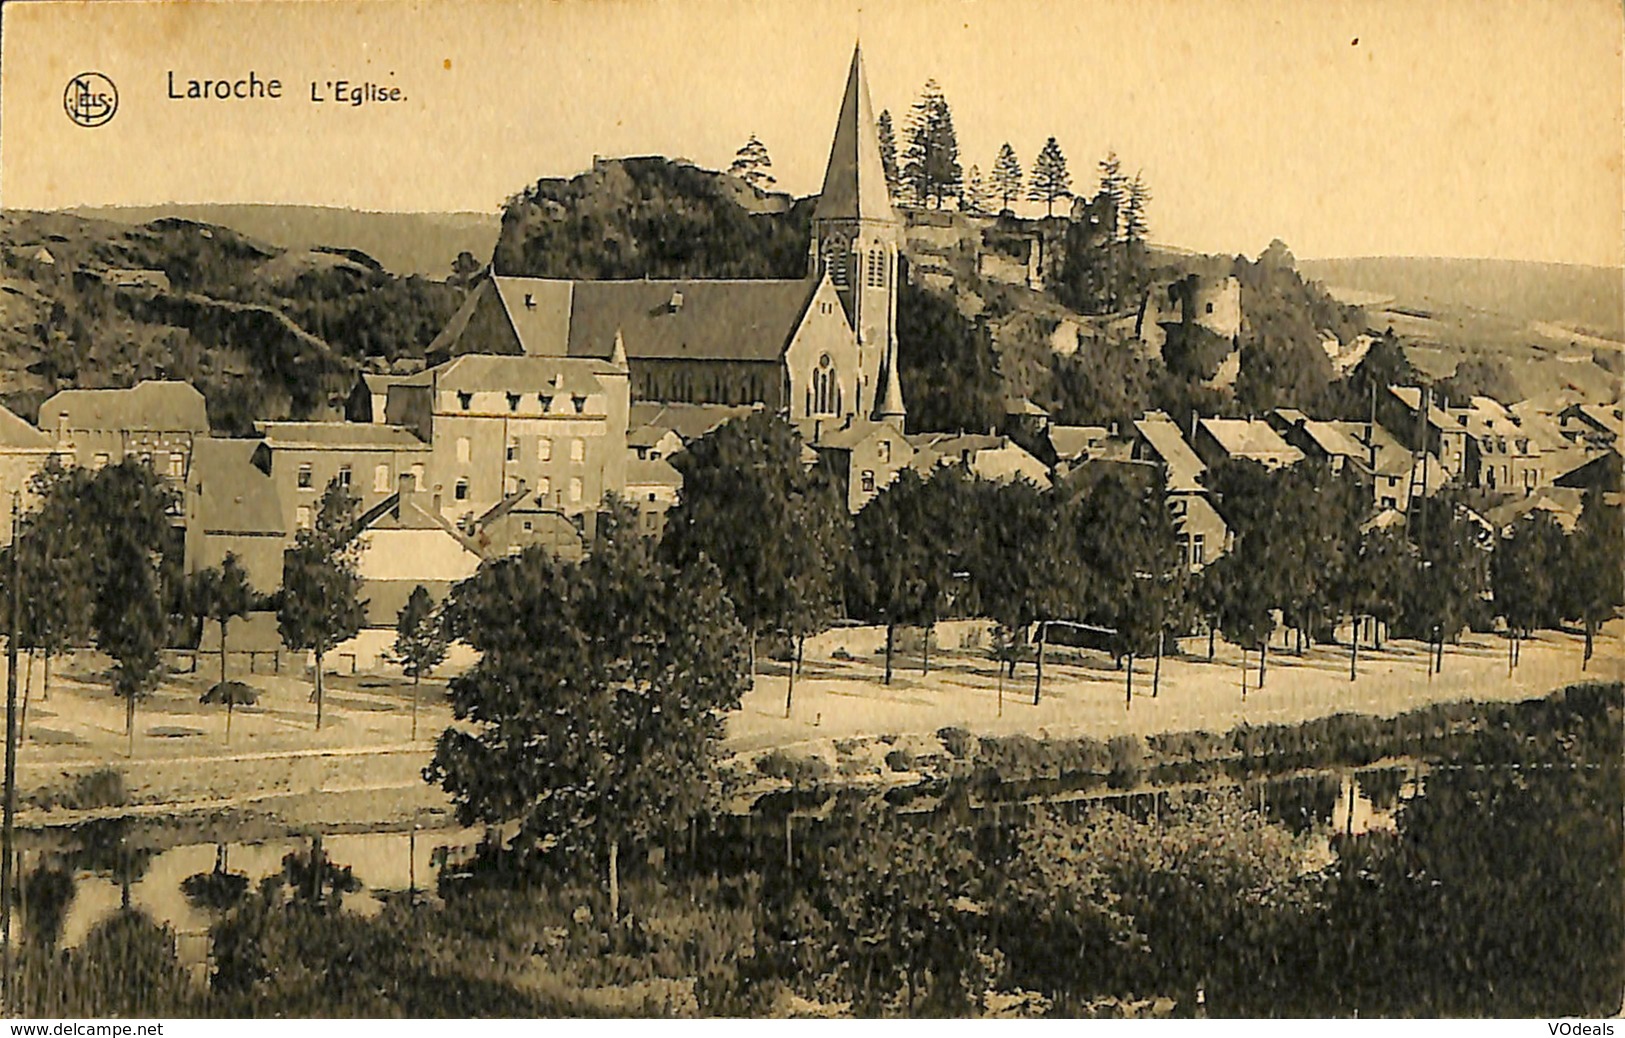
856 236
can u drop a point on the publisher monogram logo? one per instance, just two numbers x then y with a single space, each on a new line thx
90 99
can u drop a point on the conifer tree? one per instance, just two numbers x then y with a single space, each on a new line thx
1050 180
1007 176
753 165
975 199
931 162
888 153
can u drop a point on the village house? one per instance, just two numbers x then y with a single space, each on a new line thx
863 458
652 487
1442 433
232 507
1367 453
818 348
994 458
24 452
652 443
688 422
1594 426
303 458
1249 439
554 426
1203 534
1072 444
521 521
404 543
154 421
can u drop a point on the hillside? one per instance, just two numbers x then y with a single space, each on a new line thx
1587 299
1547 331
403 243
263 332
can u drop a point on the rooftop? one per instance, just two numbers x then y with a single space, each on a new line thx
153 405
339 436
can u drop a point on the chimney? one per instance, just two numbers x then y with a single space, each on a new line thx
435 501
676 302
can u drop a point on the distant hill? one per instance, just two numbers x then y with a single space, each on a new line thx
263 332
404 243
1589 299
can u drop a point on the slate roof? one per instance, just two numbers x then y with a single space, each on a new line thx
715 320
689 421
339 436
646 472
1250 438
152 405
17 435
1070 441
847 436
481 372
1184 467
230 493
855 179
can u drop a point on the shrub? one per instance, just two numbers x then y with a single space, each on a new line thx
799 771
956 741
900 759
1127 761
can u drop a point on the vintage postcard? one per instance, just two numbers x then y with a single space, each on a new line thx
811 508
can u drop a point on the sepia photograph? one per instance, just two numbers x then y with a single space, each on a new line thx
812 509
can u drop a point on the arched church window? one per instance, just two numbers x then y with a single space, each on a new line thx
826 388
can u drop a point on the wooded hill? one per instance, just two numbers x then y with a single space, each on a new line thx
263 332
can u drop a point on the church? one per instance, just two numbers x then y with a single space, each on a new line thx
820 350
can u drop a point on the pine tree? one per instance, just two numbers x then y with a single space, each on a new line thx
931 163
1050 179
1007 176
976 198
1113 189
1135 227
752 164
888 153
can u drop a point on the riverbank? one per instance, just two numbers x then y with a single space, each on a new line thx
363 770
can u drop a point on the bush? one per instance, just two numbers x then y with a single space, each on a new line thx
799 771
957 742
1127 754
900 759
103 787
233 692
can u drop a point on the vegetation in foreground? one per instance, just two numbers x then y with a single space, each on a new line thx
1499 893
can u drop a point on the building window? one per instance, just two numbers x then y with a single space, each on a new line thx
100 461
510 486
177 465
380 479
544 449
578 450
885 452
513 401
465 400
1198 548
344 476
461 490
417 476
877 269
546 402
580 403
575 489
544 486
305 478
301 517
1210 308
462 448
868 481
826 388
527 525
513 450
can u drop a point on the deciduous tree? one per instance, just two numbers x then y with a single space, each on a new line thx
321 585
593 717
420 642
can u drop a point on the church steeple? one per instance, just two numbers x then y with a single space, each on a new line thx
855 179
856 238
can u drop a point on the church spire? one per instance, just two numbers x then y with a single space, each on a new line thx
855 179
890 406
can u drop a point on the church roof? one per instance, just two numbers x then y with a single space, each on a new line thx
855 179
691 319
687 320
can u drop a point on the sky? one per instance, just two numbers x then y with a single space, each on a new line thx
1480 128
